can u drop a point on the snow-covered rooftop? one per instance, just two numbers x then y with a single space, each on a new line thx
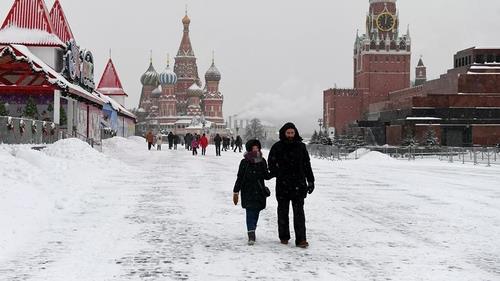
17 35
60 81
422 118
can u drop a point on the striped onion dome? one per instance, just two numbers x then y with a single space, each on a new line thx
168 76
150 77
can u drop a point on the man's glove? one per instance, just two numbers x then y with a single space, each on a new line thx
235 198
310 187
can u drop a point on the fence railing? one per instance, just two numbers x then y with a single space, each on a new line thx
27 131
15 130
95 143
477 155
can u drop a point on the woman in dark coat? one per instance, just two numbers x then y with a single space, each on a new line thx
250 182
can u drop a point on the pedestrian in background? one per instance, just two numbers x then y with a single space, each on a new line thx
150 139
176 141
203 144
238 144
159 141
217 142
194 145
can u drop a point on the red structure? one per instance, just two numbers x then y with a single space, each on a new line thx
42 68
461 107
60 23
381 64
110 84
29 14
341 106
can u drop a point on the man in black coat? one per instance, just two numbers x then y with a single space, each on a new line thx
217 142
289 162
238 144
188 139
170 139
176 141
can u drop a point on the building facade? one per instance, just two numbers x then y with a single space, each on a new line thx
461 106
381 64
176 100
45 75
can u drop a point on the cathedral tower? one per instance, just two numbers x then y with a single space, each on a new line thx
185 68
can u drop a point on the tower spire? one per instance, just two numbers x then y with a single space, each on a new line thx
213 57
168 59
151 56
185 49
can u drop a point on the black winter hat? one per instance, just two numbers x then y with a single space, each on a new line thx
252 143
285 128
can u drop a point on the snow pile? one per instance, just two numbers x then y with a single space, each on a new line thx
73 149
122 145
38 187
137 139
375 156
358 153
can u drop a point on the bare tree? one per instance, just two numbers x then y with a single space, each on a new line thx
255 130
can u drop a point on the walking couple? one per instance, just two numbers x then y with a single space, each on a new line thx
289 162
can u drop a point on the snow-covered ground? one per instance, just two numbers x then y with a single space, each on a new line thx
71 213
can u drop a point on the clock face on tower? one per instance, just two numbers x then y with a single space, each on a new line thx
386 22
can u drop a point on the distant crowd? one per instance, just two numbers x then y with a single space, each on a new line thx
193 142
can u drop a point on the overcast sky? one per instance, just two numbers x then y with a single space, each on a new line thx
276 57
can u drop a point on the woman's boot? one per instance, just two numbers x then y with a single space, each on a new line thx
251 237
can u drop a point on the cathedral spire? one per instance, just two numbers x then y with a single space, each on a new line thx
185 49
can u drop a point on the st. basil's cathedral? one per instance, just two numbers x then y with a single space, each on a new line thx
176 101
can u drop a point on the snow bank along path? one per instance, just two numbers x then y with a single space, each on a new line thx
70 213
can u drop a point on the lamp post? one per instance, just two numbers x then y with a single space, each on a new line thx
203 122
320 122
6 108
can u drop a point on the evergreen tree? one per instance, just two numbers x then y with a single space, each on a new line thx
3 110
255 130
324 139
360 141
314 138
31 109
430 137
63 117
409 139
